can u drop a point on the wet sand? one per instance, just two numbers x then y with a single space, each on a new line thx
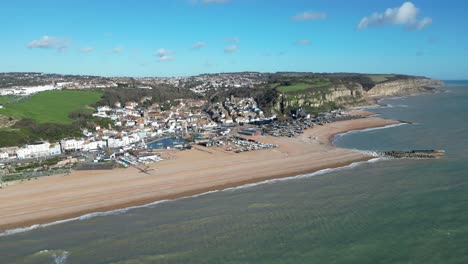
183 174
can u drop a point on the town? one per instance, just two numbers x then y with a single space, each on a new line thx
140 133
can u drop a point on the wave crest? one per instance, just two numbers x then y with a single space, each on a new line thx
124 210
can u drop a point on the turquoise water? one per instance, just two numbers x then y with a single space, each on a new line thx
166 142
399 211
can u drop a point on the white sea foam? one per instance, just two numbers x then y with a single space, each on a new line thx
80 218
384 106
395 98
124 210
367 130
58 256
392 106
379 106
302 176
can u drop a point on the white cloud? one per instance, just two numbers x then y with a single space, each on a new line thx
87 50
47 42
231 49
232 39
165 54
166 58
303 42
418 25
117 50
199 45
310 15
406 14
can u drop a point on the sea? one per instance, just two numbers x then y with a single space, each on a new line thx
383 211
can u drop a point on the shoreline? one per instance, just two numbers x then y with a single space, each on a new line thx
47 221
194 172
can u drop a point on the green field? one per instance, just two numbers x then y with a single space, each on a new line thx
6 99
304 86
295 87
378 78
51 106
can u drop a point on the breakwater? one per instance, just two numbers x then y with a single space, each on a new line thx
413 154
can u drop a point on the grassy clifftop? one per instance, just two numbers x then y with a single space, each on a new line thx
45 116
52 106
324 91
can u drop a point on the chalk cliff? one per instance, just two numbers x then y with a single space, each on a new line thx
404 87
353 94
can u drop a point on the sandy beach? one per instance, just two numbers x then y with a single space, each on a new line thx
184 173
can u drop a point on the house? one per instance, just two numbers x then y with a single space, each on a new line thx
131 105
55 149
93 145
123 141
38 149
71 144
4 155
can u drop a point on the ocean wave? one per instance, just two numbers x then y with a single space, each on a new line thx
384 106
367 130
394 106
58 256
371 107
308 175
80 218
395 98
124 210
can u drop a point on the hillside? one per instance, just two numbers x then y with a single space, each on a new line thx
51 106
52 115
320 92
45 116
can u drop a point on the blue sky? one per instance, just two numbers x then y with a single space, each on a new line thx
187 37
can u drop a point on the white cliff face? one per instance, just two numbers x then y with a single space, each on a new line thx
403 87
340 95
337 93
356 95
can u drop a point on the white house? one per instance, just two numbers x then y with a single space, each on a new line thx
4 155
93 145
123 141
72 144
38 149
55 149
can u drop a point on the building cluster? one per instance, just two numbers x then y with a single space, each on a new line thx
236 110
295 127
237 143
133 125
25 91
178 116
29 83
131 128
204 83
